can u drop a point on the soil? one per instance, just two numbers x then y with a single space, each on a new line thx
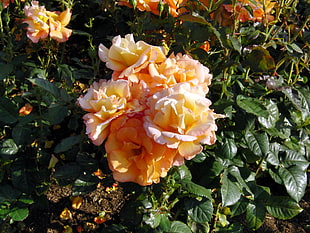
47 217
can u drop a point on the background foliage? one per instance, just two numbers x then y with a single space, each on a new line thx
260 82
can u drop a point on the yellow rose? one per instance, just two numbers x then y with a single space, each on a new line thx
126 56
135 157
180 118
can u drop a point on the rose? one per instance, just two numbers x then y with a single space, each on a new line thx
106 100
126 56
180 118
58 23
135 157
43 23
37 20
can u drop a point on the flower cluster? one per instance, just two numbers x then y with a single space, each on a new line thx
154 5
43 23
260 10
152 114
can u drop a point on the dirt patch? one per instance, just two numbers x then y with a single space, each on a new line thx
58 213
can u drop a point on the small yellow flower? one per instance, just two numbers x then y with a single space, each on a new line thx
66 214
76 202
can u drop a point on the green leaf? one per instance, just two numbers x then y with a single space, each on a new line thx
69 171
8 147
232 228
5 70
258 143
240 207
193 17
23 175
255 214
114 228
236 44
291 158
153 219
235 172
19 214
56 113
259 60
165 223
22 134
196 189
282 207
8 193
252 105
183 173
295 181
272 154
46 85
230 192
177 227
295 47
199 211
228 148
8 111
67 143
273 117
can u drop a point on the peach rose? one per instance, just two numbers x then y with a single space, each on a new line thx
179 69
243 14
180 118
58 23
175 69
126 56
37 20
43 23
152 5
105 101
6 3
135 157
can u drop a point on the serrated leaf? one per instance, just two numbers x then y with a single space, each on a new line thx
273 117
295 47
259 60
8 193
8 111
46 85
235 172
193 17
295 181
183 173
8 147
23 176
69 171
290 158
196 189
239 207
56 113
236 44
255 214
228 148
252 105
5 70
67 143
230 192
199 210
282 207
153 219
232 228
272 154
19 214
177 227
258 143
22 134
